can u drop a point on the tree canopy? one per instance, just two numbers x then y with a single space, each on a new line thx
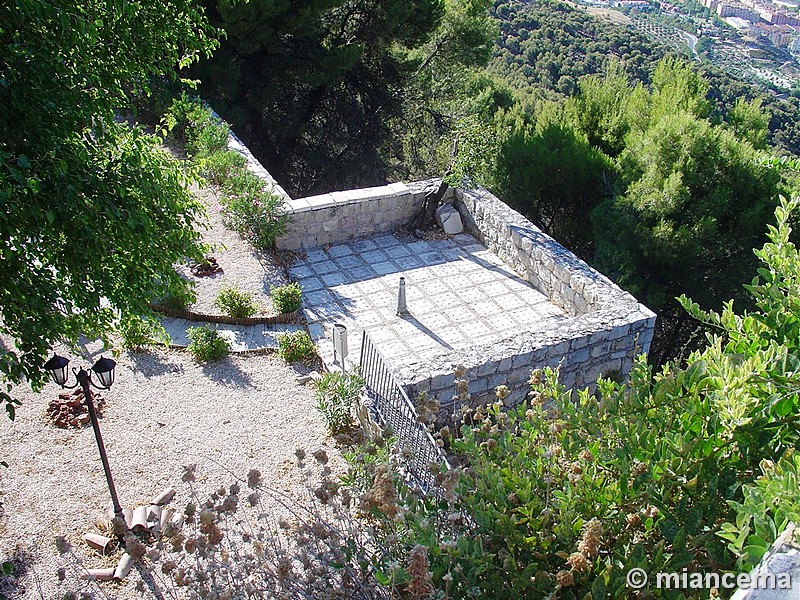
313 88
94 213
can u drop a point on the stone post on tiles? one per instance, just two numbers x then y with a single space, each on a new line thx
402 309
340 350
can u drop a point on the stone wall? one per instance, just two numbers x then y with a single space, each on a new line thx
606 330
340 216
544 263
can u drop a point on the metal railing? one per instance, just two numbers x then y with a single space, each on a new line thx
391 408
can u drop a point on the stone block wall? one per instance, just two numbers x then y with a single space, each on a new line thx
341 216
544 263
606 330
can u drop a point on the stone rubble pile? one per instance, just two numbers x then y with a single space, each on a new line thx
68 410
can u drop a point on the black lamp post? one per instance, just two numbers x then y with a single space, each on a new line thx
104 369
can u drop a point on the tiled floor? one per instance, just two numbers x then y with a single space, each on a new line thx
459 295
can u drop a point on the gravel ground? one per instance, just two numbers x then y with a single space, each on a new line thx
163 412
242 266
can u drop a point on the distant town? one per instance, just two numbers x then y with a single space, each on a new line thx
756 40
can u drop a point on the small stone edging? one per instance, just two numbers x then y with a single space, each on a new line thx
281 319
249 351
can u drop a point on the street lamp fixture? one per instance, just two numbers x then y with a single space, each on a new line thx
104 369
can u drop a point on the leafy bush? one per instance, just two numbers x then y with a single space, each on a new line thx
336 394
211 138
245 182
235 302
219 167
140 332
185 117
769 504
363 459
206 344
258 217
193 123
295 345
249 208
178 299
286 298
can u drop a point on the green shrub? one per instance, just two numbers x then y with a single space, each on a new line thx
336 394
235 302
295 345
212 137
258 217
206 344
185 117
178 299
770 503
286 298
244 182
140 332
220 166
193 123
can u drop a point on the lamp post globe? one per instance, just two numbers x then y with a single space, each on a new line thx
57 367
104 369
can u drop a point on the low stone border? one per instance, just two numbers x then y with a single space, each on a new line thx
282 319
249 351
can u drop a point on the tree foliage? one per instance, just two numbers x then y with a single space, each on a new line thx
314 82
694 206
94 212
323 91
643 181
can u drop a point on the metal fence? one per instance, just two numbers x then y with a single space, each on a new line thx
391 408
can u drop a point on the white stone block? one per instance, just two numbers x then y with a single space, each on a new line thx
321 202
449 219
298 206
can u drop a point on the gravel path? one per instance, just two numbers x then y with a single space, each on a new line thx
242 266
164 411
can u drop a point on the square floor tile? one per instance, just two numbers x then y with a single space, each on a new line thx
374 256
301 271
333 279
385 268
363 245
351 262
324 267
398 251
408 263
340 250
311 284
385 241
360 274
315 255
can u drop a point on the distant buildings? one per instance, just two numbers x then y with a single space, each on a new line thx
780 35
766 20
754 10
